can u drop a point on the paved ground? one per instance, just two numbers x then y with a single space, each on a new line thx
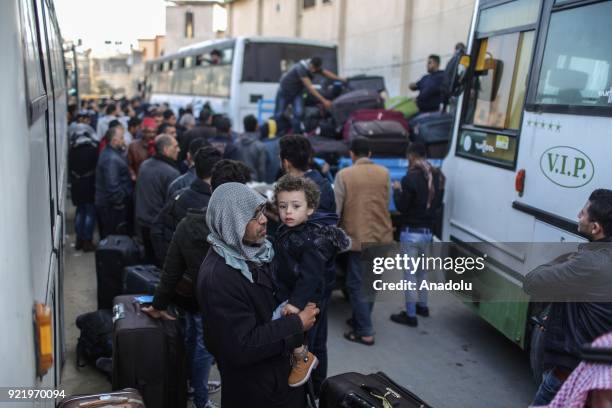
453 359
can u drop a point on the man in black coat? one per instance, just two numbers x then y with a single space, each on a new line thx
235 293
579 285
154 176
194 196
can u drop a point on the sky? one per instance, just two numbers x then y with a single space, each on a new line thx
97 21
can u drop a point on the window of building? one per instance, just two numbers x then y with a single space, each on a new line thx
189 24
309 3
327 1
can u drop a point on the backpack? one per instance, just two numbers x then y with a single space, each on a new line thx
96 339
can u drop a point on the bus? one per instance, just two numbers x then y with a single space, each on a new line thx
530 139
33 146
245 77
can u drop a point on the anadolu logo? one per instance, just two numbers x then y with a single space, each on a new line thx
567 167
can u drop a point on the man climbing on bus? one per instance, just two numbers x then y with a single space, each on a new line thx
579 285
292 86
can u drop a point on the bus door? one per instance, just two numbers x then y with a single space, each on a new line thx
566 144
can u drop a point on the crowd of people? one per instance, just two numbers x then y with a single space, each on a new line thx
251 277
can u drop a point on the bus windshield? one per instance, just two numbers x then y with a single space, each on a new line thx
576 64
267 62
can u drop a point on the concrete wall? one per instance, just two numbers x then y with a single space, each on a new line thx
383 37
175 25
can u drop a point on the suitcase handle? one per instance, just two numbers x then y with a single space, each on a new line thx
110 401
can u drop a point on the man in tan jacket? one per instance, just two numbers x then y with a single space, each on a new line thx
362 201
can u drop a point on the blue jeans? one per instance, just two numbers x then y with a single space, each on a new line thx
85 221
362 308
548 389
420 237
198 358
297 103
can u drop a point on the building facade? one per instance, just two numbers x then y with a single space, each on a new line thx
189 22
391 38
152 48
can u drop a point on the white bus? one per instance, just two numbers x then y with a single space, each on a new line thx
532 136
33 149
245 78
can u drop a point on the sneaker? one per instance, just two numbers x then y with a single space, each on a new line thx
403 318
214 386
210 404
422 311
302 368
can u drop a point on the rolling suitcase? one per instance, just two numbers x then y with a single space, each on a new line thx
344 105
149 355
369 115
141 279
433 129
366 391
372 83
127 398
388 138
114 253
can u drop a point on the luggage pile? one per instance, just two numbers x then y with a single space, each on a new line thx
135 351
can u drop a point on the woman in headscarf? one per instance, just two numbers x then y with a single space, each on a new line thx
236 297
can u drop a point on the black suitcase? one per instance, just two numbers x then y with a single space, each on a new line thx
149 355
434 130
373 83
387 138
344 105
358 390
114 253
141 279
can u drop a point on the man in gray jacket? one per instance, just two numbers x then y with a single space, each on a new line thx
252 150
154 176
580 285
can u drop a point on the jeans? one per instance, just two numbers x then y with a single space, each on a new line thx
317 344
548 389
362 308
198 358
297 103
85 221
420 237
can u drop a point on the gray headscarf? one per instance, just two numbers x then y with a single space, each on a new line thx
231 207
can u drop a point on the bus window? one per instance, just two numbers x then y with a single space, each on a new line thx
576 64
267 62
34 79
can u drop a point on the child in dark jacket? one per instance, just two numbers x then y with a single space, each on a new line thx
305 246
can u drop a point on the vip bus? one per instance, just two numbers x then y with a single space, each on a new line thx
247 73
33 184
531 137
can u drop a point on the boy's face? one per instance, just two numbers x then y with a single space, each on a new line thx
292 207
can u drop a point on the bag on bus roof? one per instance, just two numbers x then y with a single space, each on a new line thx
344 105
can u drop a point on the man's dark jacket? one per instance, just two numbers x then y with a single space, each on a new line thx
82 160
304 259
252 351
113 181
198 132
411 201
581 286
154 176
181 182
327 201
196 196
183 260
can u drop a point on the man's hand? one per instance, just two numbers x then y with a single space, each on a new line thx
396 185
157 314
308 316
290 309
327 104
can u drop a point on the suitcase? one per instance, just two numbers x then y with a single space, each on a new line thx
324 147
355 390
149 355
367 115
433 129
127 398
114 253
344 105
372 83
387 138
141 279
